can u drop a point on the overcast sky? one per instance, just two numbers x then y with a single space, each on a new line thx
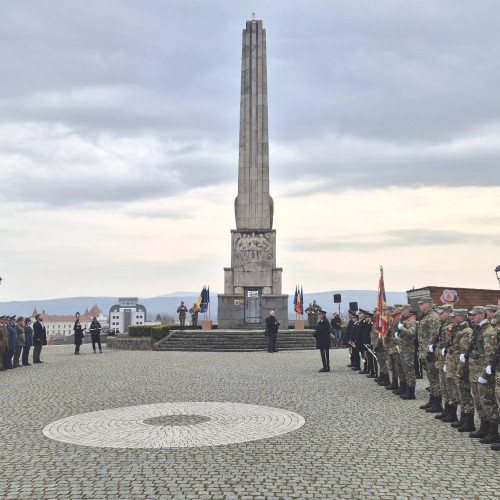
119 143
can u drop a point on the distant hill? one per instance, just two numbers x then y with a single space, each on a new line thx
167 304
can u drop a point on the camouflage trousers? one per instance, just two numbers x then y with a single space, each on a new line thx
452 390
382 361
484 400
465 396
433 376
407 358
442 385
399 367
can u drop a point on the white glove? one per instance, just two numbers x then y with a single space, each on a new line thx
443 352
462 358
482 380
431 348
445 369
400 325
488 370
396 335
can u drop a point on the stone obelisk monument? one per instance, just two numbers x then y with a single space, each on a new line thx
252 285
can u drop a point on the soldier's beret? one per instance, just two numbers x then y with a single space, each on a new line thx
405 306
477 310
491 307
425 300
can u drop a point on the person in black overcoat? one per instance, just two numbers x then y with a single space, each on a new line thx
322 336
272 325
78 335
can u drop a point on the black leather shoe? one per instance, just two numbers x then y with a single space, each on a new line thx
323 370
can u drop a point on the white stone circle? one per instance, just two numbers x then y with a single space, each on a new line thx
125 427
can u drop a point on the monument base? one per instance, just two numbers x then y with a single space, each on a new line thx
231 311
206 324
300 324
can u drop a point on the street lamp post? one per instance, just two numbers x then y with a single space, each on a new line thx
497 271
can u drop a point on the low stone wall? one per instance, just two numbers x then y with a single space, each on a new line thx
130 343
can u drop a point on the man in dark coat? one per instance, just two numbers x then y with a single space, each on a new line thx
39 338
348 337
272 325
363 337
322 336
11 342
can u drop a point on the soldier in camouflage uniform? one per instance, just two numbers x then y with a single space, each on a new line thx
439 347
406 331
460 339
480 353
310 316
393 347
495 368
399 365
3 342
194 315
181 311
427 331
316 308
381 353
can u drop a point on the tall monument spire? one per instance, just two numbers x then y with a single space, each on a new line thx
252 285
253 205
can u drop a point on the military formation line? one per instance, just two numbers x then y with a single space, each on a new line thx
456 348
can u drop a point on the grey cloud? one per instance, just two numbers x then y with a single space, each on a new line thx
399 83
394 239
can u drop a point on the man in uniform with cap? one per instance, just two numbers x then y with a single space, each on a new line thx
401 375
348 337
363 338
3 342
11 342
427 330
310 315
439 348
370 339
406 331
479 354
457 373
323 343
194 315
390 342
181 311
381 352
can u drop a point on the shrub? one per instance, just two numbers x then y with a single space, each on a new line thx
154 332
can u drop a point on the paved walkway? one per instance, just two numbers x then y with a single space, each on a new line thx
357 441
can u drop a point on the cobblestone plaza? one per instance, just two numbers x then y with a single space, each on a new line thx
339 435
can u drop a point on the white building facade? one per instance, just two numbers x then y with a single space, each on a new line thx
127 313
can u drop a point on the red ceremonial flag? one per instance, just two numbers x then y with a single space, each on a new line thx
381 318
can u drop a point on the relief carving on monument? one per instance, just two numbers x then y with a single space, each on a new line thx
251 247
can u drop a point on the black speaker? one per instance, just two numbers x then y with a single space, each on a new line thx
337 299
353 306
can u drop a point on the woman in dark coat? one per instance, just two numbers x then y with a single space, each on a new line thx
78 335
322 336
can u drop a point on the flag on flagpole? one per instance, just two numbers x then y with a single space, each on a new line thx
295 300
199 301
300 300
381 318
205 299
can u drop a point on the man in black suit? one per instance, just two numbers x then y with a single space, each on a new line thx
272 325
39 338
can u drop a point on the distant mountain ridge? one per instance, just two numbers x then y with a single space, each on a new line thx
167 304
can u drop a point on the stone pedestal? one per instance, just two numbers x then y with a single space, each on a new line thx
206 324
300 324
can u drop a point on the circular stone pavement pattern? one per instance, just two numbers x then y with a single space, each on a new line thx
174 425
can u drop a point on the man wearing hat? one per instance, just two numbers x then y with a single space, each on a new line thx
11 342
363 337
407 331
322 336
427 330
39 338
491 309
439 346
21 341
3 342
400 373
381 352
479 354
348 337
457 372
372 362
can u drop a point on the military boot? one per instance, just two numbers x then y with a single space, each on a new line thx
401 390
460 421
409 394
428 404
492 437
436 406
468 425
452 415
394 384
495 447
483 430
444 413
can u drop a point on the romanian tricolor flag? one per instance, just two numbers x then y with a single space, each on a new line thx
381 318
298 301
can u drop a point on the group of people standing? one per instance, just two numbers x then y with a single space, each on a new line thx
17 337
95 334
458 349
